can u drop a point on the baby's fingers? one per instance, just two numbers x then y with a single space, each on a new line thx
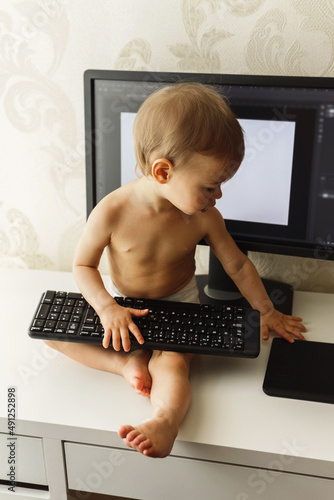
126 343
111 335
119 337
265 332
291 330
295 326
295 320
138 312
133 327
118 331
106 338
288 334
116 339
136 332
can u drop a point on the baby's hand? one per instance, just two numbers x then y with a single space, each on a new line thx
284 326
117 322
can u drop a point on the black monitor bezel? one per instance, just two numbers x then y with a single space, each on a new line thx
319 251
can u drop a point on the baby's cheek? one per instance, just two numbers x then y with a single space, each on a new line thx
203 199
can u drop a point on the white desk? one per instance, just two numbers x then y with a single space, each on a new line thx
229 443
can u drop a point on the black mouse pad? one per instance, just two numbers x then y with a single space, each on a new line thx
302 370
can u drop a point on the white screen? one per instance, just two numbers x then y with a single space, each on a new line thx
260 190
128 159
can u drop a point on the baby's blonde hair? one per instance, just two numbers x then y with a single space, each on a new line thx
179 120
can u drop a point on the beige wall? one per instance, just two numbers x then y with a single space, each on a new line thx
46 45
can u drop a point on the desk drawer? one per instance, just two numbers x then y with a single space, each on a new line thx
127 473
25 454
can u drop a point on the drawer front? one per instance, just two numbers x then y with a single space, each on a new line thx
22 457
23 494
127 473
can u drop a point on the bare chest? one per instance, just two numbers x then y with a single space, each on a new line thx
155 238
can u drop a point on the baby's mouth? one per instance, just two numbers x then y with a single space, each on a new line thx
207 208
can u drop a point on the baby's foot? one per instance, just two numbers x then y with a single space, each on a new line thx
135 371
154 438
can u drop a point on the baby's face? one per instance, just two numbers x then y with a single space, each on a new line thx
195 186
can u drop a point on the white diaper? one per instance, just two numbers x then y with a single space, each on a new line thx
188 293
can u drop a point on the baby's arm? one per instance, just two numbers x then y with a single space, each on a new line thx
244 274
116 320
249 283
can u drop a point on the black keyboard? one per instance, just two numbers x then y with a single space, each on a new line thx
175 326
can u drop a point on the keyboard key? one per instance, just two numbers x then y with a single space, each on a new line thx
48 297
38 323
88 328
68 309
70 302
72 327
64 317
84 333
50 324
43 311
59 301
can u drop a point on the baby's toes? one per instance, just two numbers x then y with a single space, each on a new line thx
133 435
124 431
140 441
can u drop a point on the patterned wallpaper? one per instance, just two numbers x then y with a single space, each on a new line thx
46 45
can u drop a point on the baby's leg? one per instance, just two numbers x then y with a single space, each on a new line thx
132 365
170 397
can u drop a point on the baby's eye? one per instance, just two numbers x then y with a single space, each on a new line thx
209 190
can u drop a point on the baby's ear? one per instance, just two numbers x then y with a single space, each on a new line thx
161 170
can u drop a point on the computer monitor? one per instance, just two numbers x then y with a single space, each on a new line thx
282 198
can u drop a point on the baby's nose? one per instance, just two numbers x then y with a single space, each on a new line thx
218 193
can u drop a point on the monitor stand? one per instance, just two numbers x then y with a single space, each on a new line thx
218 286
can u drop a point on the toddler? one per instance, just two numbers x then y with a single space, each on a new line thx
188 143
